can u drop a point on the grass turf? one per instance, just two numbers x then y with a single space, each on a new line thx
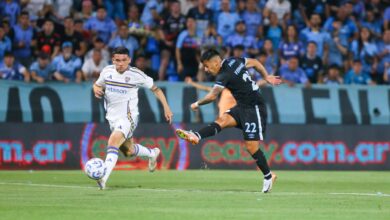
194 195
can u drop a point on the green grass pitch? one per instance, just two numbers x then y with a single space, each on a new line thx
188 195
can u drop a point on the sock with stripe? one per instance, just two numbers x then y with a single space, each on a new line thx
141 151
261 162
111 159
211 130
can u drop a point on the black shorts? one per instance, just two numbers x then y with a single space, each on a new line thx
251 120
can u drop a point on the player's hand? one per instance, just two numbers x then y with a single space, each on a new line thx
194 106
273 80
98 91
168 115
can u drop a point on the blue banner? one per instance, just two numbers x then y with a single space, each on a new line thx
58 102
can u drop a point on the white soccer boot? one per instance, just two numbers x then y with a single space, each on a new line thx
267 184
102 184
153 160
188 136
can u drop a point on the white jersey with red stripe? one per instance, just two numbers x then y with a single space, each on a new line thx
121 91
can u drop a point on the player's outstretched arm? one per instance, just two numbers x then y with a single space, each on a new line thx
161 97
210 97
270 79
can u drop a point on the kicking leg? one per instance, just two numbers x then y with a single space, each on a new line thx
225 121
116 139
129 148
261 161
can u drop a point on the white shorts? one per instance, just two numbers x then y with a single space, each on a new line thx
125 125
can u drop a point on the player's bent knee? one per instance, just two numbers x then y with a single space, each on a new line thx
116 139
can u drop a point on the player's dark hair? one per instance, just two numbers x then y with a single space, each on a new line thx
209 54
120 50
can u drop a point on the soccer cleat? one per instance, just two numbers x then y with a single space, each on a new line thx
188 136
153 160
102 184
267 184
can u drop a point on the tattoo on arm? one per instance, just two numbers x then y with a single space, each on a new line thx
211 96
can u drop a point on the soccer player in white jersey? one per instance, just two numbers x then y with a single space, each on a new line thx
119 85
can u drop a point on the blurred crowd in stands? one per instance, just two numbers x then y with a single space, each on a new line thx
303 41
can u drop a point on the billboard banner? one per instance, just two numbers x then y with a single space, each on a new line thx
287 147
56 102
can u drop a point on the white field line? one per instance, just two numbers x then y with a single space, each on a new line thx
203 191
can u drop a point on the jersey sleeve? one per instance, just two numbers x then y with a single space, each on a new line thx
144 80
147 82
221 80
100 81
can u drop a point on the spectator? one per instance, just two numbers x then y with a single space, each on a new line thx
240 38
141 63
386 18
252 17
5 43
24 39
79 27
171 26
384 51
136 26
39 7
338 52
9 31
309 7
101 26
67 65
386 73
115 9
292 74
11 70
10 9
124 39
272 60
86 11
186 5
291 46
202 15
238 51
226 20
211 39
357 76
99 45
333 77
73 36
62 8
347 28
281 8
273 31
48 40
42 70
150 14
93 66
216 6
311 63
187 51
314 33
365 49
372 22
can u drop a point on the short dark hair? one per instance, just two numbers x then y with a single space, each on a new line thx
312 42
120 50
8 54
209 54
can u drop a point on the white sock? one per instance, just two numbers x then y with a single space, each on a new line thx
141 151
111 159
